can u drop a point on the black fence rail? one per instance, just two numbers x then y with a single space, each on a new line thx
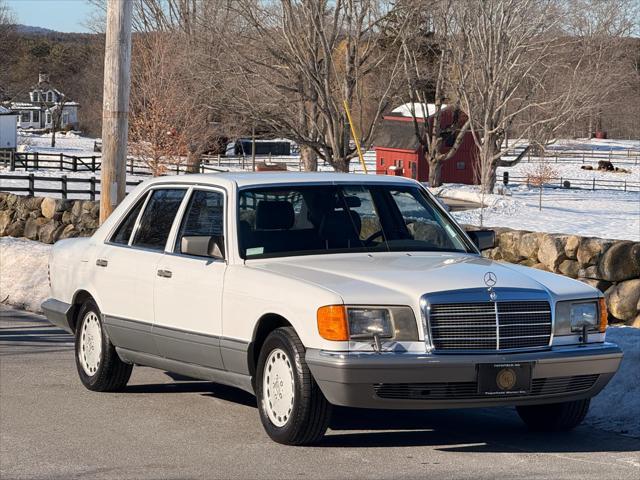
584 156
49 161
61 162
67 185
576 183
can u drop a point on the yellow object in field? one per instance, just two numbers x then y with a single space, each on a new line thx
355 136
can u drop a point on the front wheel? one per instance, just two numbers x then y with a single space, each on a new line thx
292 408
99 367
554 417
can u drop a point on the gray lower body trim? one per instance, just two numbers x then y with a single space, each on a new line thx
188 347
235 355
130 334
59 313
188 369
349 379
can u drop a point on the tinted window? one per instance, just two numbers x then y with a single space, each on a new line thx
204 216
123 233
157 218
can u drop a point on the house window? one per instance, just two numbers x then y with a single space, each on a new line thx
50 95
25 117
48 118
65 118
381 162
36 115
460 165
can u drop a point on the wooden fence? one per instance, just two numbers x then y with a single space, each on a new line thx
578 183
67 185
584 156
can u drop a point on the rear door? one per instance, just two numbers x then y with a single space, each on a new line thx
188 295
126 268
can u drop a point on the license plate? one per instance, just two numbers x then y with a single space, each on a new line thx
506 379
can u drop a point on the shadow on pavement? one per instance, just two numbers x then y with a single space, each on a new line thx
496 430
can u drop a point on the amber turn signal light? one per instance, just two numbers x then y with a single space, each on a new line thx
604 315
332 323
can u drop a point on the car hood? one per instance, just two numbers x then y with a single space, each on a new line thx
399 278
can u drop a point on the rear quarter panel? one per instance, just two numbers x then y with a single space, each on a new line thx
69 268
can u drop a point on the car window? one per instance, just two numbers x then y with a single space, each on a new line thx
157 218
123 232
317 219
204 216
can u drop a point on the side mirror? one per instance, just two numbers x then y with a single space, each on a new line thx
203 246
483 239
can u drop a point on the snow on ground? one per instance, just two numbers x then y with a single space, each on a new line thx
599 213
595 144
617 408
573 171
23 273
70 143
24 284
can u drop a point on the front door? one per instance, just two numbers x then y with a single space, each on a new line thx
188 294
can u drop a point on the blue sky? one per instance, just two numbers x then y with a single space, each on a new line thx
61 15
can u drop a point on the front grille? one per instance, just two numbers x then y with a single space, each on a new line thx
469 390
489 325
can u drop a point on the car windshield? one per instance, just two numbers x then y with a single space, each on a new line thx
317 219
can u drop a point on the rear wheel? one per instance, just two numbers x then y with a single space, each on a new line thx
99 367
292 408
554 417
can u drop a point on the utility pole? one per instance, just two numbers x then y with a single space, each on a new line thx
115 107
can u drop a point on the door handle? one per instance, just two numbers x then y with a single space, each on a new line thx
101 262
164 273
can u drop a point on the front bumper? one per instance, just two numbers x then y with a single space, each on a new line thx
432 381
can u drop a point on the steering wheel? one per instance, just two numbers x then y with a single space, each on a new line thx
369 240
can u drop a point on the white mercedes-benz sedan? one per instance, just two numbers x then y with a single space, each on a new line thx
312 290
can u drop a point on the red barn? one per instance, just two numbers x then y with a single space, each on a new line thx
398 151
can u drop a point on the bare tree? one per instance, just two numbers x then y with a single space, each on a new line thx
426 55
7 44
298 61
511 66
159 113
540 175
601 30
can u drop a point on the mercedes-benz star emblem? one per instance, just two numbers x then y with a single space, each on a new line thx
490 279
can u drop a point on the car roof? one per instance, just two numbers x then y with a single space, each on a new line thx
247 179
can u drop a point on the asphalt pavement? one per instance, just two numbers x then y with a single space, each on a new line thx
166 426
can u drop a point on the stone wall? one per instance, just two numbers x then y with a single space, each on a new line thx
46 219
612 266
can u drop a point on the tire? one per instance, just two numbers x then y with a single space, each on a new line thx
99 367
554 417
292 408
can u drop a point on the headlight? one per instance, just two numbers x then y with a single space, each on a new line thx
572 317
342 323
584 315
367 322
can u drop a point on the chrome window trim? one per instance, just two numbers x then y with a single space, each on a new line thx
481 295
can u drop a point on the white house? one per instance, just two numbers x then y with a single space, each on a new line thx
8 133
43 103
